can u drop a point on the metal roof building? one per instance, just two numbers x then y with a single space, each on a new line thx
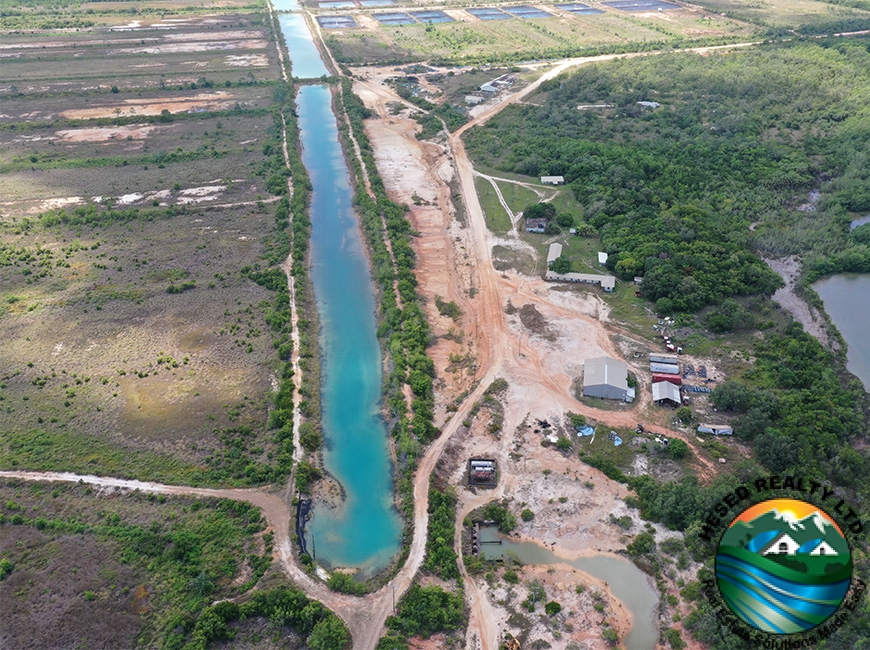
716 429
554 252
605 377
602 258
606 282
552 180
665 390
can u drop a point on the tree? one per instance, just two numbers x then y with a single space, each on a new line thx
540 211
642 544
329 633
678 448
527 515
560 265
565 219
732 396
552 608
684 414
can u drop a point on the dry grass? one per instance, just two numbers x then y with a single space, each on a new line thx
102 369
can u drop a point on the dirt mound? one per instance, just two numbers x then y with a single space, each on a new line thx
533 320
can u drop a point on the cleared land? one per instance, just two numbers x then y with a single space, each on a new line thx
134 173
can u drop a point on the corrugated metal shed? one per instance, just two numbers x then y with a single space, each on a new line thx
663 358
607 282
554 252
552 180
605 377
716 429
666 390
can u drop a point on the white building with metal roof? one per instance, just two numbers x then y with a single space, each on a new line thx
605 377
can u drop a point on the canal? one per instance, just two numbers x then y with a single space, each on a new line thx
363 532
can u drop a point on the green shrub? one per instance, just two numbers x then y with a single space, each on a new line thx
552 608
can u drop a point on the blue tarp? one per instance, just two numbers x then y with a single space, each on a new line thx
617 441
585 431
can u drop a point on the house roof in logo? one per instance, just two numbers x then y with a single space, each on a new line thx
823 548
782 543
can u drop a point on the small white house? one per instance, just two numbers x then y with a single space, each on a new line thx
602 258
823 549
782 545
553 180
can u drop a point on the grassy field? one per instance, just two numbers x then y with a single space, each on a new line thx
783 13
469 40
106 569
134 193
517 197
496 218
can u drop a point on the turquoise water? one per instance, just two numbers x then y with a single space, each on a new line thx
285 5
304 55
847 301
365 532
630 585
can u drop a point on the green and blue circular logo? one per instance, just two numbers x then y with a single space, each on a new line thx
783 566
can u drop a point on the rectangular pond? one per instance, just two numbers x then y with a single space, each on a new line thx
640 5
525 11
336 22
488 13
578 8
429 16
394 18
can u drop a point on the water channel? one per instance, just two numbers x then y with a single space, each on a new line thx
623 578
364 531
847 301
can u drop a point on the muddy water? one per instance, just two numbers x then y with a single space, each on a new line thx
633 588
847 301
364 532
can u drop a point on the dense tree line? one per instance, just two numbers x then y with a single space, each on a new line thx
440 556
283 606
737 140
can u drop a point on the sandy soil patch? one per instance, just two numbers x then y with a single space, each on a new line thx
788 269
247 60
238 34
218 100
201 194
202 46
106 133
